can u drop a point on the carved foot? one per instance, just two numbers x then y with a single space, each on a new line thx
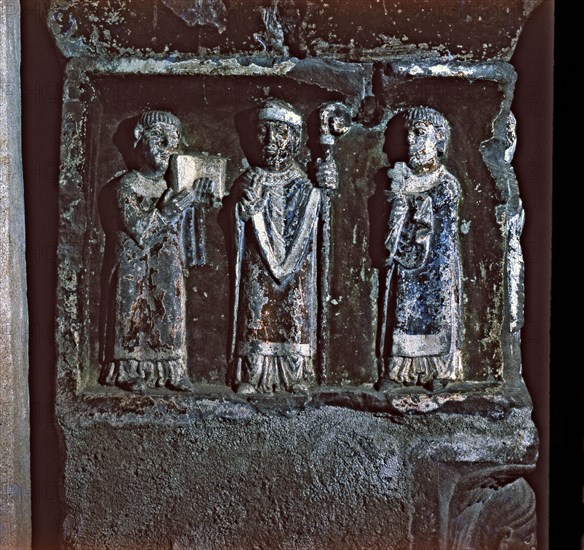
184 384
387 385
135 385
437 385
246 389
300 388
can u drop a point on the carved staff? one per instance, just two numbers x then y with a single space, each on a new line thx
335 121
396 223
397 217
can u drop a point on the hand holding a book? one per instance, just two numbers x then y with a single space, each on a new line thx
203 190
174 202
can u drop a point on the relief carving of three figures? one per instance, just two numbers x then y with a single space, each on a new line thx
281 238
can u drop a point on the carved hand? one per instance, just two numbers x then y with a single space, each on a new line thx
203 190
173 204
327 175
397 175
251 198
399 207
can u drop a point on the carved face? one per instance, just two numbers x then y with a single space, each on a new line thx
423 145
278 143
159 142
340 124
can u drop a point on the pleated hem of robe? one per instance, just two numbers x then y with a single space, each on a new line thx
156 374
272 373
421 370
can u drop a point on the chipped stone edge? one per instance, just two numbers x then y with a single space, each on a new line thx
72 46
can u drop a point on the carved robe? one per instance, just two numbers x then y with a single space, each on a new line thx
145 329
423 241
276 285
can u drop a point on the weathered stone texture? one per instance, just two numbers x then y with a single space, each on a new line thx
481 29
345 466
14 406
225 475
102 98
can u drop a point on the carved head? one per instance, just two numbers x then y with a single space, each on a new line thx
428 138
279 133
335 119
159 135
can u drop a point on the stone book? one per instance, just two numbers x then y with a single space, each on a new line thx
185 169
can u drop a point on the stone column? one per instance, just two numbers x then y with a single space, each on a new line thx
15 508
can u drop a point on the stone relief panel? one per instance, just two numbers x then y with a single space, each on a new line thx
297 259
294 238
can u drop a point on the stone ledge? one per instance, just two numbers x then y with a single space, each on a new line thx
492 401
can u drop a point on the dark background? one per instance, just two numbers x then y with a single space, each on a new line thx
42 77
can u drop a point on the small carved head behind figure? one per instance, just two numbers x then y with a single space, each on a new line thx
279 133
335 119
428 138
159 134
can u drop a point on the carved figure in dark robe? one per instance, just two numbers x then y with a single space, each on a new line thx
144 336
276 225
423 297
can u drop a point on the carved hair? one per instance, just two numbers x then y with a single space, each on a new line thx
436 119
151 118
